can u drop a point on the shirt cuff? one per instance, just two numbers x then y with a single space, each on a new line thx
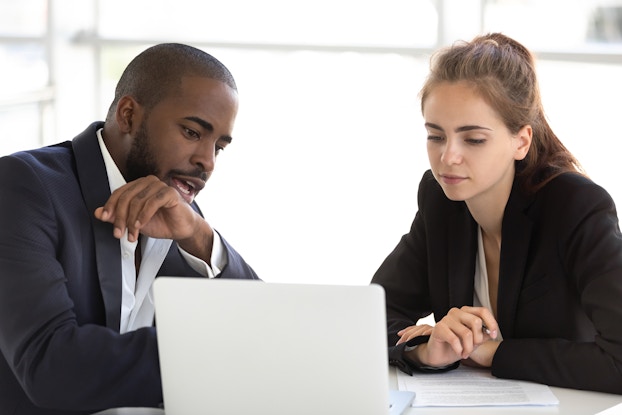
218 259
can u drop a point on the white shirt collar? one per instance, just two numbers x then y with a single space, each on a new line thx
115 178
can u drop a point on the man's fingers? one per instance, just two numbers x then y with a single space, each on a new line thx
134 204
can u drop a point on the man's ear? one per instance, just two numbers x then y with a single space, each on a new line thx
523 142
127 114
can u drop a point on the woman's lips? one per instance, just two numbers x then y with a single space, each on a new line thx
451 179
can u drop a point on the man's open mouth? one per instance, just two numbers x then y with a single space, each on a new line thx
186 188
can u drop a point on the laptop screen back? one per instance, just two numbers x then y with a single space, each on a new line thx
237 347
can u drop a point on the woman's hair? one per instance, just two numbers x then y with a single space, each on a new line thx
503 72
157 72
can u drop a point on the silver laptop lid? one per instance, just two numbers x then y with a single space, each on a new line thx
248 347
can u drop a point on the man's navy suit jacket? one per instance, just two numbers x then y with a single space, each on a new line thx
60 288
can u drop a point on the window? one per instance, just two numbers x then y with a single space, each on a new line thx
24 74
329 143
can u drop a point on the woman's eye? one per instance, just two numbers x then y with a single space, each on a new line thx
434 137
475 141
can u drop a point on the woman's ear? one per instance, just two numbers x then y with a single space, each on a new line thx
523 142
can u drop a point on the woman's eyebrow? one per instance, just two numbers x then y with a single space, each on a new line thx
471 127
459 129
433 126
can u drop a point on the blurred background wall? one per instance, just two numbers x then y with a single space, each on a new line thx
320 182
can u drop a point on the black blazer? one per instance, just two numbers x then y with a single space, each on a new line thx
560 280
60 289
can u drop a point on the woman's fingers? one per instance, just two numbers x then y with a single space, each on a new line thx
413 331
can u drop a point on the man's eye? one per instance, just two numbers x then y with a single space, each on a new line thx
191 134
219 149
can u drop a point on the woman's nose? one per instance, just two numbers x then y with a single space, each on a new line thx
451 153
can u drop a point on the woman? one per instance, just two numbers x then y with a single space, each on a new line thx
515 251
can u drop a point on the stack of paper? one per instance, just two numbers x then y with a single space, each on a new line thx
467 386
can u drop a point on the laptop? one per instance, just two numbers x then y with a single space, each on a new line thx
250 347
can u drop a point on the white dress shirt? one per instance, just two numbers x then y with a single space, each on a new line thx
137 309
481 296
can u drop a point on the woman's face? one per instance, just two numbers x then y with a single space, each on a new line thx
470 149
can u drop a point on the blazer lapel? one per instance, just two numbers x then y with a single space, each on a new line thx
95 188
516 234
462 246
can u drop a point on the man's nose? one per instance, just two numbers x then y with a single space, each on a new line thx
205 156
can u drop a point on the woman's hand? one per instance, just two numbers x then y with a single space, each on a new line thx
413 331
483 354
458 336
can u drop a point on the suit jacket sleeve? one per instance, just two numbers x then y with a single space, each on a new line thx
61 359
566 330
236 267
403 275
59 349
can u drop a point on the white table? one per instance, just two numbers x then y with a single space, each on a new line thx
571 402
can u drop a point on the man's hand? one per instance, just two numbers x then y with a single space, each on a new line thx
151 207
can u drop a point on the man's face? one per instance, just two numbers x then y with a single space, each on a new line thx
179 139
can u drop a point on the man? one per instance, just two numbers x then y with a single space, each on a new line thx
86 225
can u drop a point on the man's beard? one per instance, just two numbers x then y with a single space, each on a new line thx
141 161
